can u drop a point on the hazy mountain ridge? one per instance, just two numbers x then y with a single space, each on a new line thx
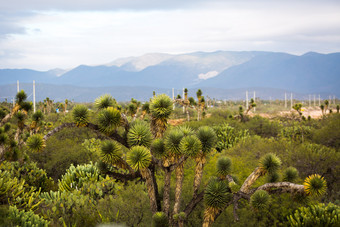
312 72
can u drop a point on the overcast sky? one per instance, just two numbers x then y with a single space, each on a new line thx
45 34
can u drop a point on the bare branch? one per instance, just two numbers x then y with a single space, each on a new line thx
257 173
280 187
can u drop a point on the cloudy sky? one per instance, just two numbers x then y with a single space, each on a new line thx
46 34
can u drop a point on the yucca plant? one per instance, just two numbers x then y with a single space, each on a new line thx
160 109
20 97
26 106
172 143
223 167
104 102
139 135
157 148
270 163
37 117
190 145
259 200
36 143
80 115
159 219
315 185
216 197
290 174
186 130
111 152
273 177
108 120
139 157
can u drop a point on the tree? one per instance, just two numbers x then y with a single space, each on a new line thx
199 98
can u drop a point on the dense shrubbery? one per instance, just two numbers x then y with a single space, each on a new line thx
105 173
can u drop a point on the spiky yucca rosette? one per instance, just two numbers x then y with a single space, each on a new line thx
315 185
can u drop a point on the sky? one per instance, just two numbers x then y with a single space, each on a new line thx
48 34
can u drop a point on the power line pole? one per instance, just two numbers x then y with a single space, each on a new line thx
319 100
291 100
285 100
173 99
246 100
17 85
255 102
34 96
183 99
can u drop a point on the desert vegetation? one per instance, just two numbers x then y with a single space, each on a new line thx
182 162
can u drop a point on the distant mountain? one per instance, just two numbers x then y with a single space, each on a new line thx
311 73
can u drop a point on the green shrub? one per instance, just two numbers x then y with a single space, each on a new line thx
26 218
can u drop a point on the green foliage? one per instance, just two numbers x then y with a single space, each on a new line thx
228 137
157 147
318 215
223 166
315 185
108 120
36 143
207 137
172 141
290 174
186 130
75 177
159 219
190 145
263 127
38 116
161 106
273 177
139 135
216 194
329 133
80 115
104 102
146 107
132 109
111 152
297 132
260 199
26 218
139 157
30 173
270 163
20 97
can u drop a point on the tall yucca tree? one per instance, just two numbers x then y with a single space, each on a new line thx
109 120
199 97
104 102
186 104
80 115
37 118
139 135
216 197
160 109
139 158
36 143
208 138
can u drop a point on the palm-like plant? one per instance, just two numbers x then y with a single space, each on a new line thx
290 174
36 143
259 200
20 97
190 145
172 143
111 152
199 98
37 117
160 109
208 138
270 163
315 185
139 158
104 102
139 135
223 167
109 119
80 115
216 197
158 148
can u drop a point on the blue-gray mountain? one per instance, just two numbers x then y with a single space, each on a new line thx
309 73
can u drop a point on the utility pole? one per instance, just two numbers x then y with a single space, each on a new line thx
34 96
183 99
17 85
246 100
319 100
291 100
254 101
285 100
173 99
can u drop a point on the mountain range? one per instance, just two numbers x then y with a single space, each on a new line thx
310 73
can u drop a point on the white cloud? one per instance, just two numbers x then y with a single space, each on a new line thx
208 75
68 38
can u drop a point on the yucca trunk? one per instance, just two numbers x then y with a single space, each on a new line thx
166 191
257 173
178 190
146 174
209 216
158 127
200 162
